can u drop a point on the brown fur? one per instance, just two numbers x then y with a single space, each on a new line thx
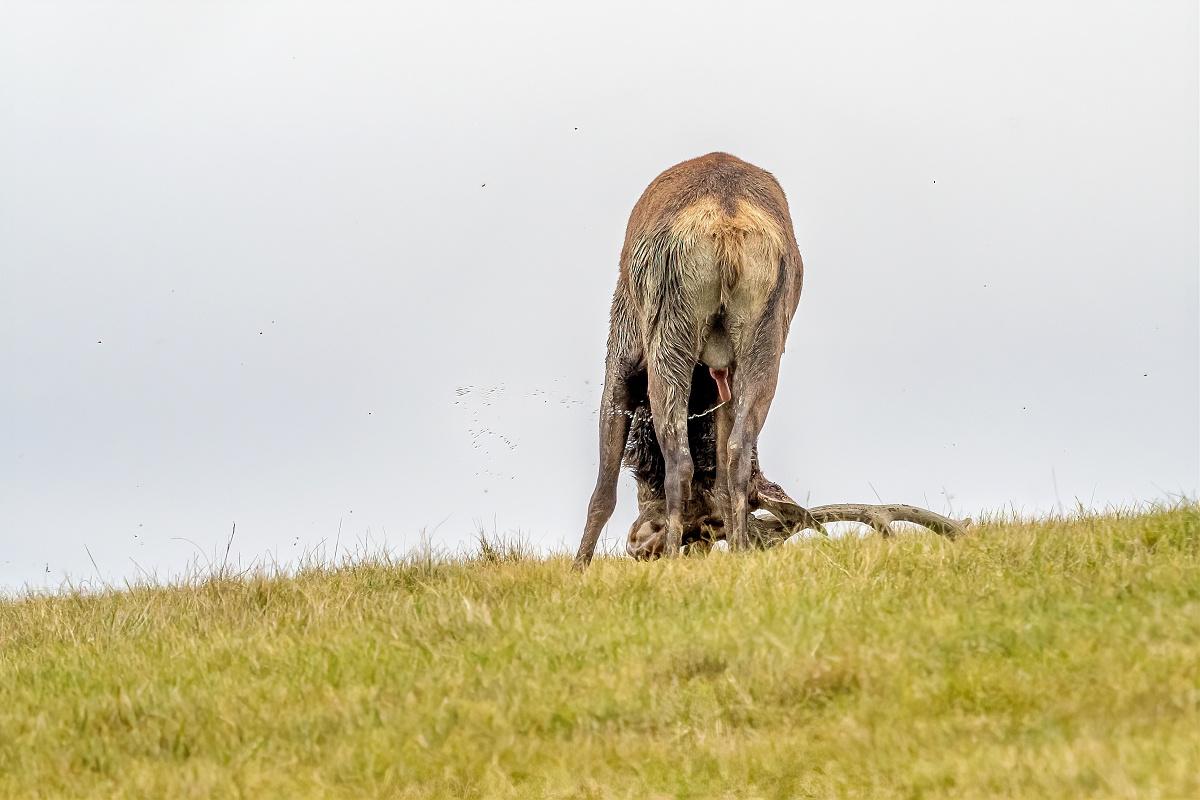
709 272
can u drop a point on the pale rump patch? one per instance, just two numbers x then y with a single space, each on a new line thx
748 237
741 250
721 378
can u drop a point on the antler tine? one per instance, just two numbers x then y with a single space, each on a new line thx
881 517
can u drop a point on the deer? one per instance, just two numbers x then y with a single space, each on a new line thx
709 280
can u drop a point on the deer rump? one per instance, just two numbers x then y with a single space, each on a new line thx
703 523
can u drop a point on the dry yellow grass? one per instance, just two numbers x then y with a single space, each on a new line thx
1049 659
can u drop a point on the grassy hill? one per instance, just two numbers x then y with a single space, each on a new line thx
1051 659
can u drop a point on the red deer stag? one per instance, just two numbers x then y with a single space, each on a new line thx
710 275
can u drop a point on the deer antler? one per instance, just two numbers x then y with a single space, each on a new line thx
881 517
771 497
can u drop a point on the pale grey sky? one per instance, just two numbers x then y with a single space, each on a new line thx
290 264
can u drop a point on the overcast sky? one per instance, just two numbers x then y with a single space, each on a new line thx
307 265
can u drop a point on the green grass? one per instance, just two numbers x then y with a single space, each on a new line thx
1050 659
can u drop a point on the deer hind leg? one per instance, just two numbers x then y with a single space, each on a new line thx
684 287
669 386
752 397
755 376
